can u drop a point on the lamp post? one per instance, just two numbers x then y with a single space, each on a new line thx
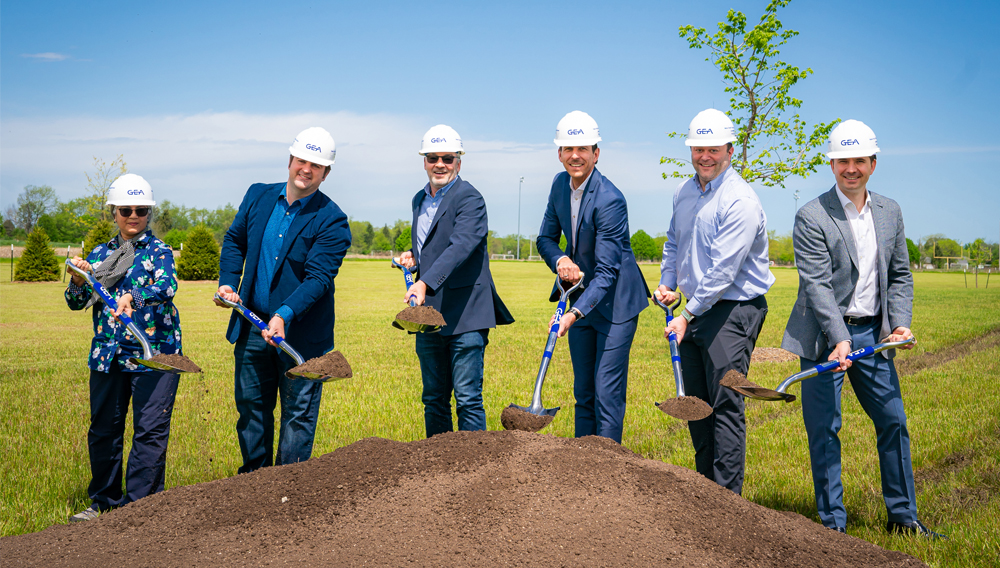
796 196
519 217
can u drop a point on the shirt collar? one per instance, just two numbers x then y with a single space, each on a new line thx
583 185
845 201
440 192
302 201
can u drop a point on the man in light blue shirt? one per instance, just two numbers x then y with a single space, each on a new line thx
716 255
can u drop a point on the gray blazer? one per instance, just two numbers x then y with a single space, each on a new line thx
827 259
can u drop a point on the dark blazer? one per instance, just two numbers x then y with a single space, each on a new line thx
613 283
310 257
455 264
827 258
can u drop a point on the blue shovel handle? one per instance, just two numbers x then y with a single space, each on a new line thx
279 341
675 356
408 276
147 352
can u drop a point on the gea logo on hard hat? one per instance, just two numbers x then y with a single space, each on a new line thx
849 142
574 131
135 192
704 131
438 140
313 148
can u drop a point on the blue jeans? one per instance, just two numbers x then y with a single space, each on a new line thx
452 363
152 395
260 378
876 385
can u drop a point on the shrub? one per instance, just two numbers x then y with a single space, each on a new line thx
38 263
100 233
175 238
403 241
200 259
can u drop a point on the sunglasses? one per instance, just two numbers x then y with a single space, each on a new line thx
432 159
139 211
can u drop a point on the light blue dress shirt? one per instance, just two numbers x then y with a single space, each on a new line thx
428 209
716 246
274 234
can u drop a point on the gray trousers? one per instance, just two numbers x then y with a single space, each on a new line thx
717 341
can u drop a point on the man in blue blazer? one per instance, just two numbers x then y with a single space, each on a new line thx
450 256
281 253
591 212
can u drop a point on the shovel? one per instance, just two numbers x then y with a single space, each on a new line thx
682 407
411 326
751 390
282 344
535 417
148 359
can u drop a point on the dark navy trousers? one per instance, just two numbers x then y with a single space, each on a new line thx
260 378
876 385
152 396
600 351
717 341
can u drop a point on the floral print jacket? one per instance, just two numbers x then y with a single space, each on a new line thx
152 281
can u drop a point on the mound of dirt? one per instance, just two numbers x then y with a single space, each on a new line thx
734 378
513 418
178 362
425 315
466 498
332 364
772 355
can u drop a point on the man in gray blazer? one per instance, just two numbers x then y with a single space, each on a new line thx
855 290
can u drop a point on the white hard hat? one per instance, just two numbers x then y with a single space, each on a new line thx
710 127
441 138
852 139
130 189
577 129
315 145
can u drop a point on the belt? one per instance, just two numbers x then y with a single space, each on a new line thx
859 320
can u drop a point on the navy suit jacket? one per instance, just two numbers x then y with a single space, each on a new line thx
454 262
310 257
613 283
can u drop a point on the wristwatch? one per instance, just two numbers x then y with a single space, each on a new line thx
577 313
688 316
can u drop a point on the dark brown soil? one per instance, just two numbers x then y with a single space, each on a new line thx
178 362
332 364
734 378
425 315
686 408
513 418
772 355
463 498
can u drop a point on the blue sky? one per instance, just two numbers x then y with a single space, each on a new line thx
204 98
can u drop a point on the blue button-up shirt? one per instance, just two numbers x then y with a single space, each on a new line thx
428 209
716 246
274 235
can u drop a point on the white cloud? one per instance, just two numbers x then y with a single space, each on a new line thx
47 56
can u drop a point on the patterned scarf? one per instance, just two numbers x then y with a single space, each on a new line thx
115 266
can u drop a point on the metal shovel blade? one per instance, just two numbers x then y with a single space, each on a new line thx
319 377
157 365
414 327
763 393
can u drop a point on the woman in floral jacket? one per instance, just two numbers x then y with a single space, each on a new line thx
138 271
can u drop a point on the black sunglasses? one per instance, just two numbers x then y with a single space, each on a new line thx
139 211
432 159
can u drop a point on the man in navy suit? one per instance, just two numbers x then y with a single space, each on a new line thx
591 212
450 256
282 252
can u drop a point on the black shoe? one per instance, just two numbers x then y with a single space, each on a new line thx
838 529
914 528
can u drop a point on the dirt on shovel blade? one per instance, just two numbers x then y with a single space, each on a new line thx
333 364
178 362
734 379
513 418
686 408
424 315
457 499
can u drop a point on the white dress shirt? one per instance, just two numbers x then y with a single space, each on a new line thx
574 204
864 302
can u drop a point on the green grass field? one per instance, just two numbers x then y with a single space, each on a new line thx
953 408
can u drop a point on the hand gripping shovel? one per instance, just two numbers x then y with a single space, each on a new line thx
294 372
682 407
746 388
403 318
158 362
536 416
